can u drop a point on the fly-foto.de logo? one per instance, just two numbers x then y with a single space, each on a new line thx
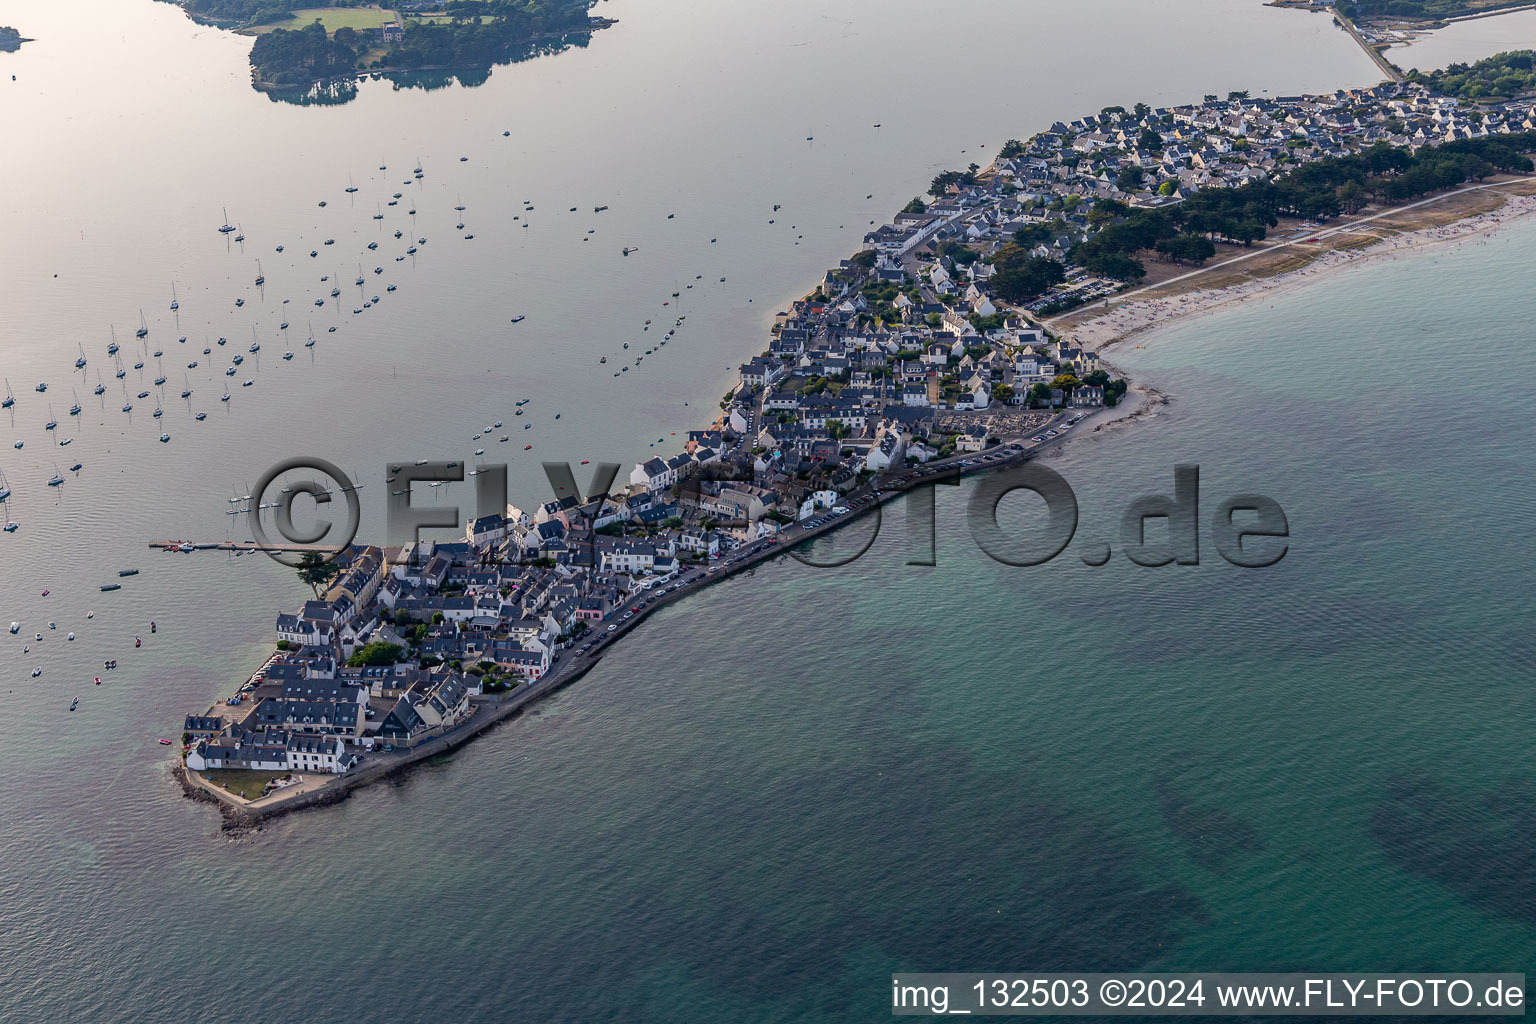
1247 530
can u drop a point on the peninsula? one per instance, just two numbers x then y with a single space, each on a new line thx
948 344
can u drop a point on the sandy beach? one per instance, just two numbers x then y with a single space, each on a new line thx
1136 319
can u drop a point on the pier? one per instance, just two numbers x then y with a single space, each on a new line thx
233 545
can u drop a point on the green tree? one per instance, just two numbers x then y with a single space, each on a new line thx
1194 249
314 569
1022 278
915 206
944 179
1065 382
1352 197
376 653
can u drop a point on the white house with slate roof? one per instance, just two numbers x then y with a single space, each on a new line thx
266 751
305 632
327 754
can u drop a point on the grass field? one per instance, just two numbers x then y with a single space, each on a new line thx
241 783
333 18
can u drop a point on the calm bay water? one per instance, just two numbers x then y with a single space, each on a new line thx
1468 41
1320 765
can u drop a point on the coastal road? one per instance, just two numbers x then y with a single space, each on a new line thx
1376 55
1121 297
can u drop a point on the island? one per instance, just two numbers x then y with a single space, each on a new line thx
963 336
11 39
299 45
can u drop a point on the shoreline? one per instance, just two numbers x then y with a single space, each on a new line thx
1145 318
242 816
358 76
1355 241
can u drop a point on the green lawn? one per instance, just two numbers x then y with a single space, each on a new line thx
242 783
360 18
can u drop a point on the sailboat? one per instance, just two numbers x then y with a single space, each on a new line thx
350 187
100 387
74 410
80 359
311 342
52 423
5 492
227 226
9 399
175 304
112 345
261 278
143 331
57 479
186 390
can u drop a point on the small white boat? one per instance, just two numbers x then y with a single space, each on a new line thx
15 628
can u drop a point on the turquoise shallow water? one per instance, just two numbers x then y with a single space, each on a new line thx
1322 765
